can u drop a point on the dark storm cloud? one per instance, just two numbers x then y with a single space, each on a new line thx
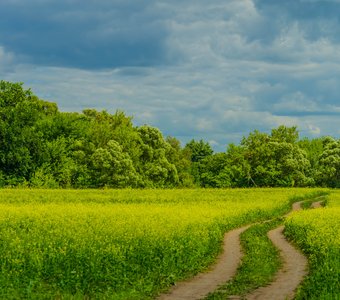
301 9
316 17
194 68
84 34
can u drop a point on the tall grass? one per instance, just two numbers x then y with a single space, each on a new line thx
118 244
317 233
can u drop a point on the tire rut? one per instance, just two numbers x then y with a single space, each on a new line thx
317 204
207 282
289 276
293 271
283 287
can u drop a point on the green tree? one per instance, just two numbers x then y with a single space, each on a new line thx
238 167
329 174
285 134
276 159
214 172
58 168
182 161
314 149
113 167
20 138
198 150
154 167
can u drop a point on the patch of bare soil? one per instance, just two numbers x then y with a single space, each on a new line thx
316 204
224 269
296 206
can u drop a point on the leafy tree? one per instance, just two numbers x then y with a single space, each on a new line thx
113 168
81 153
104 127
199 150
238 167
43 147
58 168
276 159
314 149
214 172
21 142
154 166
285 134
182 161
330 163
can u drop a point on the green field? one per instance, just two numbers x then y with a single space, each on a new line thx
119 244
317 233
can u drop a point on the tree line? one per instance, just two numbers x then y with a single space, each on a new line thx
43 147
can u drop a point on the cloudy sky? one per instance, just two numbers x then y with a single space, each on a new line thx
193 68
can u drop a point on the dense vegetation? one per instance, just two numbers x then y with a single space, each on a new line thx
259 264
317 233
118 244
262 260
43 147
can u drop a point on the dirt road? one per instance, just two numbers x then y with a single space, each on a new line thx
283 287
289 276
224 269
294 269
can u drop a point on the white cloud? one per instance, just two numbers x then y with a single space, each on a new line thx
204 125
213 143
296 102
314 129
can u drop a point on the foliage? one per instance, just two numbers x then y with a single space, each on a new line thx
180 158
21 144
213 171
276 159
112 167
42 147
155 167
330 163
198 150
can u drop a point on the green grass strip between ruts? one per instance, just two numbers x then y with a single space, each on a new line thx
261 259
259 264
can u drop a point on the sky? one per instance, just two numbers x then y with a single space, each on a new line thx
196 69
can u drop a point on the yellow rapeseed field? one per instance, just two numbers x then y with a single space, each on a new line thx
118 244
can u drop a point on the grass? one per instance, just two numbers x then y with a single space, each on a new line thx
118 244
260 262
261 259
317 234
311 197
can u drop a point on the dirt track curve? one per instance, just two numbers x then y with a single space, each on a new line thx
285 282
289 276
294 267
224 269
316 204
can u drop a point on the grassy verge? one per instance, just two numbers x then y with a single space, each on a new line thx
317 234
309 198
259 264
307 203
